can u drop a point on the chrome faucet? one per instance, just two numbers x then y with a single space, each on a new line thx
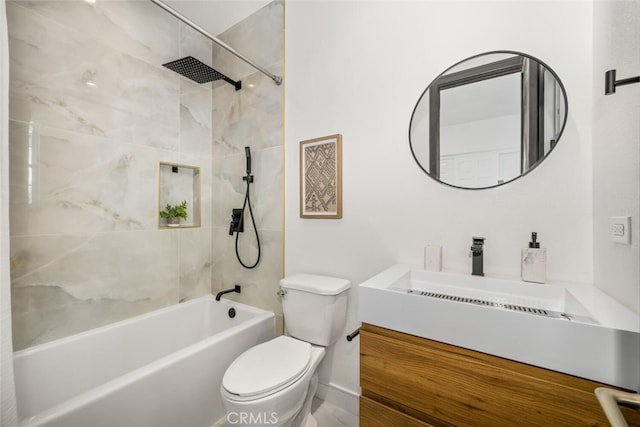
476 254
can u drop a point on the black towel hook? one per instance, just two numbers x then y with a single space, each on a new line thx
610 82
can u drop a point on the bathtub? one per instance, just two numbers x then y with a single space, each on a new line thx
162 368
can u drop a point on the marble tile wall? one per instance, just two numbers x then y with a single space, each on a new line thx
254 117
85 245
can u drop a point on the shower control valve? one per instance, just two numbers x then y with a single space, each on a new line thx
237 223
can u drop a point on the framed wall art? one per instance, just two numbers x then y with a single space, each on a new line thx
321 177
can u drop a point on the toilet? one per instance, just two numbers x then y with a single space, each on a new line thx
273 383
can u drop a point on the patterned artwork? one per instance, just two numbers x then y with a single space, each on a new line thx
321 177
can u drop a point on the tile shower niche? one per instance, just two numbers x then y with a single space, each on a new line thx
176 184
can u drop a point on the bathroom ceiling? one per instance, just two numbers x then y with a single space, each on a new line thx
216 16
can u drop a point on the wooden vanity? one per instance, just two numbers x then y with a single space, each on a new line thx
409 381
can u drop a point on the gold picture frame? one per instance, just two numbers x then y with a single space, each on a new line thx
321 177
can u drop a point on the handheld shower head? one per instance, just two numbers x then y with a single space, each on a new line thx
247 152
247 202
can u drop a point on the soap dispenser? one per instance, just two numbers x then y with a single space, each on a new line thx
534 261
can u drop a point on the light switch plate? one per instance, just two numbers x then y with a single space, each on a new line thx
620 229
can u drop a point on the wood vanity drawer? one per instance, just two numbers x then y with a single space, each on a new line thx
467 388
375 414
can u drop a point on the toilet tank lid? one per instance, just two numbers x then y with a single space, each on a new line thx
322 285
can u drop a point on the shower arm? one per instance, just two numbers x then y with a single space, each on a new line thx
276 79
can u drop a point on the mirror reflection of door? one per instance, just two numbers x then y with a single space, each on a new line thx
488 120
480 132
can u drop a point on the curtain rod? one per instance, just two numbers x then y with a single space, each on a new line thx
276 79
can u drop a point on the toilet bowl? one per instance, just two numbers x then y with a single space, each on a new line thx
270 383
273 383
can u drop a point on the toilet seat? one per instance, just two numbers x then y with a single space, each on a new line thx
267 368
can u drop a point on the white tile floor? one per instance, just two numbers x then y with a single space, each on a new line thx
326 415
329 415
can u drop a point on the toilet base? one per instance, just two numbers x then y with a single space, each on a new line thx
304 417
311 421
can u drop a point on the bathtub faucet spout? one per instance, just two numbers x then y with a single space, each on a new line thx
236 288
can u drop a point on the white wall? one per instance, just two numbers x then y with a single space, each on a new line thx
351 70
616 148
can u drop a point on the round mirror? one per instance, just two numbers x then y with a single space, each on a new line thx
488 120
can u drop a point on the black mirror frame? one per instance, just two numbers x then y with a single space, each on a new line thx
533 90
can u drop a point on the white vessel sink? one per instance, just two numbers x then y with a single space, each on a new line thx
570 328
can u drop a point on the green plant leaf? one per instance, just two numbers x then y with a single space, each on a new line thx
172 211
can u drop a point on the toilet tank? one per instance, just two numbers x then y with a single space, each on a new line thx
315 307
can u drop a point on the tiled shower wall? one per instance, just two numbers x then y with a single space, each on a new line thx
85 245
251 117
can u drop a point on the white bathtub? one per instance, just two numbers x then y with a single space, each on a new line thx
162 368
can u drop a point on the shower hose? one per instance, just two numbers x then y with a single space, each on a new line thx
247 202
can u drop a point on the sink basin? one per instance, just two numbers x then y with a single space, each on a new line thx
571 328
534 299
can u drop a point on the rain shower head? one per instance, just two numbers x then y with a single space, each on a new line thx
198 71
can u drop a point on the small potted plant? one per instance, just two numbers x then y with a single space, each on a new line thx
173 213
